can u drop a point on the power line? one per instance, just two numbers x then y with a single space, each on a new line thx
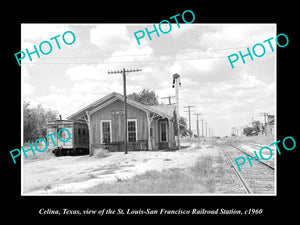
144 61
159 53
148 61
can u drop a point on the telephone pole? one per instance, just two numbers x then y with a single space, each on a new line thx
206 129
198 133
123 72
189 111
202 127
168 97
265 116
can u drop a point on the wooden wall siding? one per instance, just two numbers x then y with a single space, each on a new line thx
117 126
50 130
110 113
81 140
55 129
76 141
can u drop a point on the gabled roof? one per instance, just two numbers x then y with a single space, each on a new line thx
165 109
161 110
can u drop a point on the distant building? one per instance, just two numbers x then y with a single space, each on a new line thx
270 125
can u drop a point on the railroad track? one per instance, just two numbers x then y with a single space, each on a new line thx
269 163
258 179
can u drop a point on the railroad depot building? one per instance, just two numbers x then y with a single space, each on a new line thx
148 127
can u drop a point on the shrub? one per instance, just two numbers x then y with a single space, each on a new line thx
101 153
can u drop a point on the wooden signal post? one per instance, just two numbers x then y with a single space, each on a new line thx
176 85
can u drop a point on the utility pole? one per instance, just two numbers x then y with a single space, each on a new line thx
123 72
189 111
234 131
265 116
176 85
206 129
168 97
198 133
202 127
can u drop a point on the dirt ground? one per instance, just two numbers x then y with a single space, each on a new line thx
74 174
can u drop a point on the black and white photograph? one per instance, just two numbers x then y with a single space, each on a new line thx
150 111
198 111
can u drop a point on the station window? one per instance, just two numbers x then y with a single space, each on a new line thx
163 131
105 131
132 130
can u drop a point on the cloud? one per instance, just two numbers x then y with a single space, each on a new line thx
110 37
84 72
35 33
131 53
27 89
235 35
227 97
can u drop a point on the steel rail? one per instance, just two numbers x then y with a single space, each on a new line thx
237 173
252 155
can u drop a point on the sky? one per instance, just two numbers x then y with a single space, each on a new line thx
70 78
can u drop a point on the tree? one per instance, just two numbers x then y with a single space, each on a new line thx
256 126
254 130
35 120
145 97
29 123
148 97
250 131
183 127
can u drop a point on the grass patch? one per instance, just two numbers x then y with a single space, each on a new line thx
260 139
38 155
200 178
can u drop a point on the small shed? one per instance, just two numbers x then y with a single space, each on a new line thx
148 127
